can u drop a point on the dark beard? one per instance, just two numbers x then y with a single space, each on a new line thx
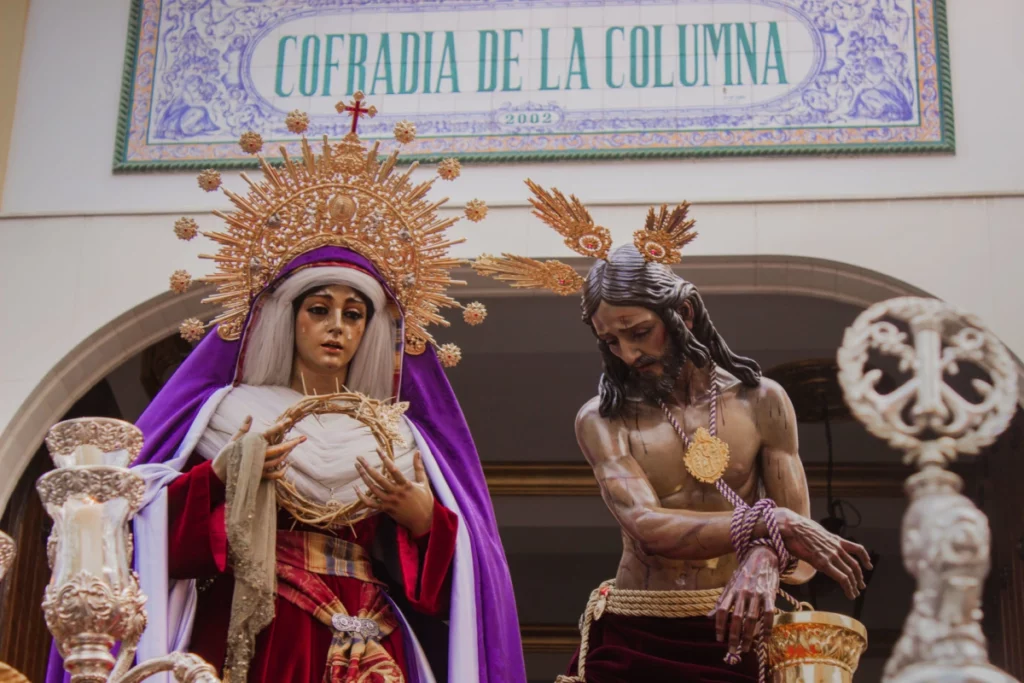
655 388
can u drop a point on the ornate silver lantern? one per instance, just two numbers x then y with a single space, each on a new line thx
93 600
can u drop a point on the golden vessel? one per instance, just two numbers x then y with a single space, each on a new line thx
815 647
9 675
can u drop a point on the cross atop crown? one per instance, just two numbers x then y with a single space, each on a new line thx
356 110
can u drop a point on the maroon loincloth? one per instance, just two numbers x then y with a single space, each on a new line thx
655 649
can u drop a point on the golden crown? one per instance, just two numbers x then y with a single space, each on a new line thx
660 241
344 196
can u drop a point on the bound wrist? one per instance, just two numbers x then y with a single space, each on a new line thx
783 519
762 552
761 529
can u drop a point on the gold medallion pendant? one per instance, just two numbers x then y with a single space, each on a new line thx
707 457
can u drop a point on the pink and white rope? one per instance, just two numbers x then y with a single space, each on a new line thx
744 519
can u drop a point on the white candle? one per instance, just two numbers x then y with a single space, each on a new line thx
88 454
84 528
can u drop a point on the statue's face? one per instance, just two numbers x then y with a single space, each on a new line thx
636 335
329 328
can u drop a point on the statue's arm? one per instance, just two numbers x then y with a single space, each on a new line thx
197 545
785 481
676 534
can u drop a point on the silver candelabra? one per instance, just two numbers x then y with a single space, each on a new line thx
93 599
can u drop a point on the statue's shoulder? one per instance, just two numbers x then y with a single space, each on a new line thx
591 426
590 413
766 388
594 432
770 404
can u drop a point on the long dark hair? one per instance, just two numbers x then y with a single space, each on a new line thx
627 279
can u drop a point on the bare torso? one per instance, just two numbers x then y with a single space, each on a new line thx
656 446
675 529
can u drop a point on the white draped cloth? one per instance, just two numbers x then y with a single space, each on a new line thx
323 468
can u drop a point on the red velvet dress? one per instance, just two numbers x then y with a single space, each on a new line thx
294 647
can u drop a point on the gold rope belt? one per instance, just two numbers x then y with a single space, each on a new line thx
634 603
668 604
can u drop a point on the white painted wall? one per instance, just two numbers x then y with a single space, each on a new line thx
79 245
71 77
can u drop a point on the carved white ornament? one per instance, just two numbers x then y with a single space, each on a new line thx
940 423
945 537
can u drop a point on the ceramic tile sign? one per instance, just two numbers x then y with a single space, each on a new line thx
538 79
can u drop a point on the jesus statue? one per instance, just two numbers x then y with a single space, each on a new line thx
696 456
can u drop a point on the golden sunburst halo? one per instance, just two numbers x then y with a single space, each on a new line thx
186 228
665 234
341 195
528 273
449 355
192 330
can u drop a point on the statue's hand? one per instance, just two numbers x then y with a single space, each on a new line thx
410 503
748 599
274 462
830 554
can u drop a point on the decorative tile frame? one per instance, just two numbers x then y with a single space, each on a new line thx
864 76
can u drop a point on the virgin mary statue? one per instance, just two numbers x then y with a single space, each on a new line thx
330 272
